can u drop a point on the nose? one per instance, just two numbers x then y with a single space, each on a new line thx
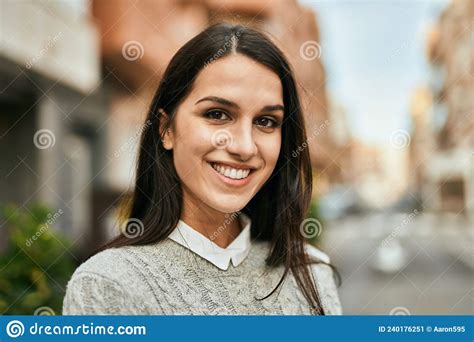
242 144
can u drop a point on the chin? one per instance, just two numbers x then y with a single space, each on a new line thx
229 205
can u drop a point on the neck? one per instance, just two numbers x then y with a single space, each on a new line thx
219 227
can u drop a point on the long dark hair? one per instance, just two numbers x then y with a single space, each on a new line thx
278 209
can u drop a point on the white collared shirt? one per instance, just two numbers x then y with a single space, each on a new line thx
237 251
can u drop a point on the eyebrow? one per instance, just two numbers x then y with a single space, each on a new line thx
231 104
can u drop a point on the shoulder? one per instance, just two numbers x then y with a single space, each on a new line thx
109 263
101 285
325 281
317 254
260 249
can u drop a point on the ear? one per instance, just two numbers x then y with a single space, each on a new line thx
168 137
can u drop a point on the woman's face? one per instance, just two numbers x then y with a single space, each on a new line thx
226 134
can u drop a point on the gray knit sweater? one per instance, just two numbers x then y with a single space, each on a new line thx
168 279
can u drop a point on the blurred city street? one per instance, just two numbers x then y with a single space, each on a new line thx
426 268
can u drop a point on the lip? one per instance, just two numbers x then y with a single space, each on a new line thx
230 181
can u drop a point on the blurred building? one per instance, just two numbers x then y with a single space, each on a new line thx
51 110
443 116
369 174
422 135
338 168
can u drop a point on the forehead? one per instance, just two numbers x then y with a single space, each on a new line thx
239 79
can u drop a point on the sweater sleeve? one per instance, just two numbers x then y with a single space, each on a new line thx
94 294
325 281
327 287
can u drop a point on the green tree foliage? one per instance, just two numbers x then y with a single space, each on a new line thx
35 264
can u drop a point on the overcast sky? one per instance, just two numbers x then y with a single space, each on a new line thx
374 53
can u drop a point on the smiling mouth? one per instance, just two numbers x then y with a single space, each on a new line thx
231 173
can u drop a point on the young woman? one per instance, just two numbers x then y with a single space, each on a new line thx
214 223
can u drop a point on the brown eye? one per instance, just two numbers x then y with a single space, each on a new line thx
216 114
267 122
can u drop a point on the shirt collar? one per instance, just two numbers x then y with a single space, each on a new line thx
237 251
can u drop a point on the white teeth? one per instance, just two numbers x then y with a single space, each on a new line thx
230 172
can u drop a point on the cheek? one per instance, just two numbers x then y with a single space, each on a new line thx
270 151
191 144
